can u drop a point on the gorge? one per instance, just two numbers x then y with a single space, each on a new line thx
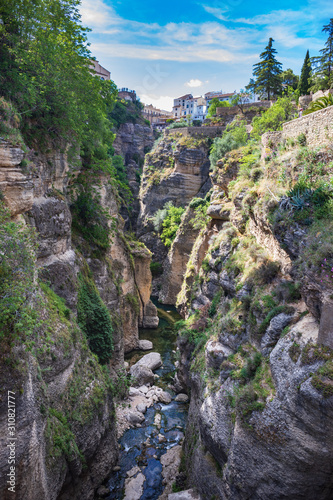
166 299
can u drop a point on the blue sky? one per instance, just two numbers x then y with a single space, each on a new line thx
166 49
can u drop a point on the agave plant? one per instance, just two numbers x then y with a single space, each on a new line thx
323 102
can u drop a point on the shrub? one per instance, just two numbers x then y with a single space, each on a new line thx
171 224
301 139
91 220
18 244
94 319
234 136
272 119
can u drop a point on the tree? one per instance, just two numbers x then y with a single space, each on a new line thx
44 72
323 64
305 80
216 103
240 99
289 79
267 73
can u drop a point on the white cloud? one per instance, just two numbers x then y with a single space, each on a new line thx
216 12
96 14
161 102
194 83
189 53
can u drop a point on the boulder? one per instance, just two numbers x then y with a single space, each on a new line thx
134 487
145 345
216 353
135 417
141 407
142 374
152 360
164 397
182 398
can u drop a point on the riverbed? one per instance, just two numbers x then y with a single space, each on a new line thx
141 448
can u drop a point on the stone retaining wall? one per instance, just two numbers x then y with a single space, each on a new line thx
317 128
197 131
247 108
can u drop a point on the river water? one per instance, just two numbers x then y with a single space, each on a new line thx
141 446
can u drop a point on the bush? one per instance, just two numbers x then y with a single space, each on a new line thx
94 319
18 244
171 224
91 220
234 136
273 118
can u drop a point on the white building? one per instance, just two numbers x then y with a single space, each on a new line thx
189 106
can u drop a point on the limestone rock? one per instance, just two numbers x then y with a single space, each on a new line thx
142 374
185 495
141 407
152 360
273 332
145 345
134 487
216 353
182 398
135 417
164 397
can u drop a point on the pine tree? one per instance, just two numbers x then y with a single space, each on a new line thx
304 82
267 72
323 65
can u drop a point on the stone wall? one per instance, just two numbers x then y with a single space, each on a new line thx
196 131
234 110
317 127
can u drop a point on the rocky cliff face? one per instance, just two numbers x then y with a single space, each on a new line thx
65 411
176 171
133 141
252 356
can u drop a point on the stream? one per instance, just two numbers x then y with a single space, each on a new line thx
140 446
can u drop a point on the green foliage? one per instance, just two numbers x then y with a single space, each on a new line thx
133 300
323 379
216 103
305 79
182 123
214 305
18 244
125 112
171 224
200 218
289 79
91 220
60 436
267 73
321 103
54 300
121 176
160 215
94 319
44 72
122 384
156 268
273 118
323 65
274 312
255 386
234 136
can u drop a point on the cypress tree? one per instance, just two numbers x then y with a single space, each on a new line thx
267 72
304 82
323 64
